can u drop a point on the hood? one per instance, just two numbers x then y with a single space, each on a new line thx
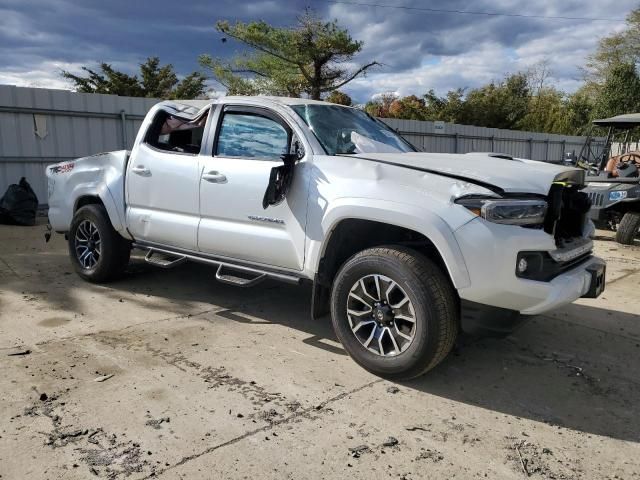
501 174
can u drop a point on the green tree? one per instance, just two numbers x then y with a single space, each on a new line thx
410 108
108 81
579 111
545 112
616 49
497 105
449 108
155 81
620 92
308 58
381 105
339 97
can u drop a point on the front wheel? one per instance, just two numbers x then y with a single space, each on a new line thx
628 228
394 311
98 253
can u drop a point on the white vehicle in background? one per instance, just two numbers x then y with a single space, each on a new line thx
406 249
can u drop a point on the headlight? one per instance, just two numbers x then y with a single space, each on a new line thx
507 211
617 195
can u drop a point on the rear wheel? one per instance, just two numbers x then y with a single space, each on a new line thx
394 311
98 253
628 228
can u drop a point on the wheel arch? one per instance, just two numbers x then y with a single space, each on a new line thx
101 196
350 234
86 200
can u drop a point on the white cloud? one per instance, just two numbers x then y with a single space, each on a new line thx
444 52
418 50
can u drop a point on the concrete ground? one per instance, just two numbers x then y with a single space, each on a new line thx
203 380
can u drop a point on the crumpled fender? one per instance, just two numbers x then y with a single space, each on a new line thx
393 213
101 176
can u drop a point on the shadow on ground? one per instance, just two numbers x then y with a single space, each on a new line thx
552 371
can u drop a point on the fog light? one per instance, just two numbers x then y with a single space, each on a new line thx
522 265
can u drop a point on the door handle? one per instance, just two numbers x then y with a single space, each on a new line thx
214 177
141 170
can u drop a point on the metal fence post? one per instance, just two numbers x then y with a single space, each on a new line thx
546 153
457 147
530 148
564 148
493 143
123 125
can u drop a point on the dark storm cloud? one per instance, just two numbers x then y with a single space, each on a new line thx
419 50
121 31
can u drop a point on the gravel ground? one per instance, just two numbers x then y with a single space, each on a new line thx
170 374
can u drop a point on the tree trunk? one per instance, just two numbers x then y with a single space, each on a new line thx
316 83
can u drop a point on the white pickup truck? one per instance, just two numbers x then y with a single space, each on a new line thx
405 249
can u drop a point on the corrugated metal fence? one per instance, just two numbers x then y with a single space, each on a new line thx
40 126
454 138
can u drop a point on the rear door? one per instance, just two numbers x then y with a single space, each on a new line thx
249 142
163 176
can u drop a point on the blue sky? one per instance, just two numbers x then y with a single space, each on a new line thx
419 50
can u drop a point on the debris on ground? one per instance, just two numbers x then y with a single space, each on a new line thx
522 462
393 389
270 415
390 442
532 460
103 378
359 450
294 406
428 454
19 353
113 459
157 422
58 438
413 428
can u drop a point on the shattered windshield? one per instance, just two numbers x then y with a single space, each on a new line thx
343 130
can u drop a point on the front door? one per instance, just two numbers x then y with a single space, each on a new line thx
249 143
162 183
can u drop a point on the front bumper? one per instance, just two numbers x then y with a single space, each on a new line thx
602 204
490 252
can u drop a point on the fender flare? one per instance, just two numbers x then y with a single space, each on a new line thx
107 199
408 216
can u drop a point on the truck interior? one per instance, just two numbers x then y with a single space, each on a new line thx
175 133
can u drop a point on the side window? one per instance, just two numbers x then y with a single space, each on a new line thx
175 134
250 135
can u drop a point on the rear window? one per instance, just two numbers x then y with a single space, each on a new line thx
176 134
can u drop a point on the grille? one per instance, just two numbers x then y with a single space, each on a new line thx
597 199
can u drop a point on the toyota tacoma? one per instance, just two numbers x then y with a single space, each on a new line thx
405 249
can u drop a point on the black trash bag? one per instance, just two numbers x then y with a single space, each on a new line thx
19 204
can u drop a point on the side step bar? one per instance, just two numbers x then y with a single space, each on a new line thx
179 257
238 281
161 260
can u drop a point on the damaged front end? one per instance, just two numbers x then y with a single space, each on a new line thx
567 220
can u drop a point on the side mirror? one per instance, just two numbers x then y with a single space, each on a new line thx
281 176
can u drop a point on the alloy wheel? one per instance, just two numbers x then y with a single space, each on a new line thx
381 315
88 244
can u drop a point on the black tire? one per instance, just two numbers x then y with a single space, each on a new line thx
628 228
434 302
114 249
